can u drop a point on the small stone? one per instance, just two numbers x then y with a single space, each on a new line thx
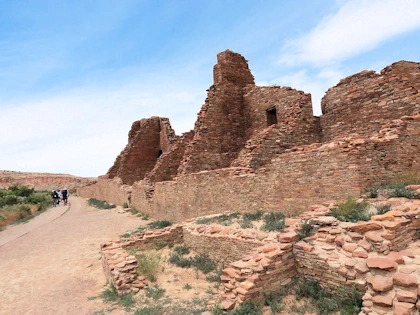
405 280
381 263
361 267
363 227
349 247
382 300
374 237
406 296
380 283
360 252
396 256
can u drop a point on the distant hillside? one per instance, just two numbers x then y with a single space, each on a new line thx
43 181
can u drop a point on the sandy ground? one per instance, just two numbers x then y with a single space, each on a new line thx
51 265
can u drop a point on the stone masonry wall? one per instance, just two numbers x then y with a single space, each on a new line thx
222 244
111 190
168 163
363 102
220 126
147 139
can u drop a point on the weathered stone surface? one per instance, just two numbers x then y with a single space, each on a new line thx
380 283
381 263
382 300
363 227
405 280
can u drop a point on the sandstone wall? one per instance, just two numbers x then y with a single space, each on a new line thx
220 126
220 243
111 190
147 140
363 102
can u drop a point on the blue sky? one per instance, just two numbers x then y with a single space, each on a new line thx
74 75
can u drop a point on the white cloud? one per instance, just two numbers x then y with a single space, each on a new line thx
357 27
82 131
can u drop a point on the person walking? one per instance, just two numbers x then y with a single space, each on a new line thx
65 193
55 198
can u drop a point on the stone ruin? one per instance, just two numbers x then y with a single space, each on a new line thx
381 257
261 148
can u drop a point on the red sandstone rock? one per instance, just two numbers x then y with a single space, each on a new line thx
374 237
227 305
361 267
381 263
304 246
380 283
405 280
230 272
396 256
288 237
269 247
363 227
406 296
402 308
349 247
360 252
382 300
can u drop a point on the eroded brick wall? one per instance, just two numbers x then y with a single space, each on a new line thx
220 126
147 140
363 102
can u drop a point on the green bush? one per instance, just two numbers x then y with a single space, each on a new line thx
274 300
306 229
182 250
253 216
179 261
203 263
148 264
246 224
215 276
150 310
133 210
247 308
273 221
372 191
351 211
100 204
399 190
224 219
155 293
383 209
125 205
159 224
110 294
127 300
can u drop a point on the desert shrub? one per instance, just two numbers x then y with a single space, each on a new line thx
351 211
125 205
21 191
155 293
399 190
372 191
148 264
100 204
306 229
134 210
273 221
246 224
253 216
274 300
224 219
203 263
37 198
407 179
159 224
247 308
10 200
110 294
187 286
161 244
150 310
127 300
179 261
347 301
182 250
383 209
215 276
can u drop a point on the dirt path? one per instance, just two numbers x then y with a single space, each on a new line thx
51 265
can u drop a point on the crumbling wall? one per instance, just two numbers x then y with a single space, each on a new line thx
147 140
363 102
168 163
220 126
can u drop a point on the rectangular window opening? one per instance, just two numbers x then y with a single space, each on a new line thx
271 116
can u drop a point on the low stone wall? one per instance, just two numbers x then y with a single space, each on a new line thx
121 268
110 190
223 244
